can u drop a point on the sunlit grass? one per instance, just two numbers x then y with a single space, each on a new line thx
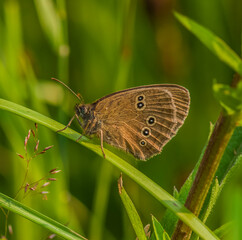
97 48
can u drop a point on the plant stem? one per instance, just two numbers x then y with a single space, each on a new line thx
217 144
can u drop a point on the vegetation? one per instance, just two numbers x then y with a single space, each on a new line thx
98 47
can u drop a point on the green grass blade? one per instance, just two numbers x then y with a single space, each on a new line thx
224 230
101 200
36 217
214 43
169 219
159 231
50 21
230 161
132 212
154 189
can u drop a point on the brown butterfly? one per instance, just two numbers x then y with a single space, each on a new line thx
138 120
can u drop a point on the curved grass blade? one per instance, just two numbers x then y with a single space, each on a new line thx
214 43
37 217
154 189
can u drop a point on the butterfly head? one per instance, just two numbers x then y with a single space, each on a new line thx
84 111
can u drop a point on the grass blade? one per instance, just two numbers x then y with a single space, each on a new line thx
36 217
131 211
159 231
154 189
214 43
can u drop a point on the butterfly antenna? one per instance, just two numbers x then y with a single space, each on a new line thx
77 95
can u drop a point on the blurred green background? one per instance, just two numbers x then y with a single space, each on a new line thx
98 47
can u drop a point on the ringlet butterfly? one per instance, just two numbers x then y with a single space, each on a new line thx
138 120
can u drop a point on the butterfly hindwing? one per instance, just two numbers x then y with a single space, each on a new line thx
143 119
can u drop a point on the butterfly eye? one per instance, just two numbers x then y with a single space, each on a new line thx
145 132
151 121
142 143
83 110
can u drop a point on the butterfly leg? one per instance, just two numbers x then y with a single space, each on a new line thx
79 138
84 130
81 127
68 125
101 137
78 120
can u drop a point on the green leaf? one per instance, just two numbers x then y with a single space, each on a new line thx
166 236
175 193
211 199
223 230
214 43
232 158
154 189
229 98
159 231
132 213
169 219
36 217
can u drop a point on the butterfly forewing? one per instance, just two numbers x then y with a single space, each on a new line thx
142 120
